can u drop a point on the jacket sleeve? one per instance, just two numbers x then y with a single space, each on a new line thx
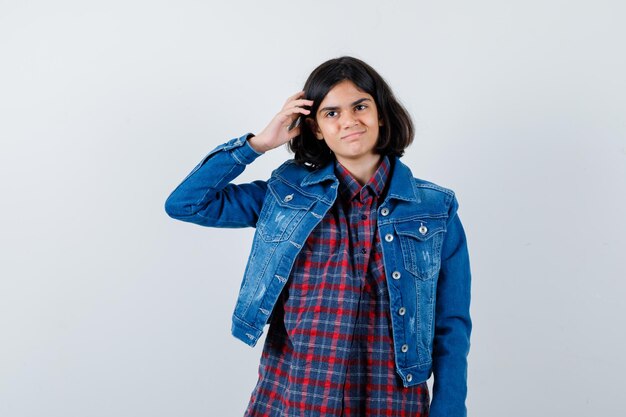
207 197
452 323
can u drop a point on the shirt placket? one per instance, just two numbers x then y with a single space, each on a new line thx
361 234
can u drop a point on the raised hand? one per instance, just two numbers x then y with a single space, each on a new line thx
277 132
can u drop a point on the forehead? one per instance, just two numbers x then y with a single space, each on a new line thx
344 93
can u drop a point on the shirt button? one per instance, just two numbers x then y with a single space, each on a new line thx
402 311
384 211
363 251
363 216
388 237
409 377
405 348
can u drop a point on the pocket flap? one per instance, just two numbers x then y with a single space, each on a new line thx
286 196
421 229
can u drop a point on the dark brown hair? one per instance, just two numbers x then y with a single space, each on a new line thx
396 133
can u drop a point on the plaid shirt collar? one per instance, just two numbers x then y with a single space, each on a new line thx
349 187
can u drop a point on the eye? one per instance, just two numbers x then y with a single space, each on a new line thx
331 113
360 107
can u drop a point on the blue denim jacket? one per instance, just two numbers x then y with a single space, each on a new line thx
424 251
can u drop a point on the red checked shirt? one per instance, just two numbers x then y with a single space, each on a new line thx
329 349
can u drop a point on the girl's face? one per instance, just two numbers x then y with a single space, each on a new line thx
347 120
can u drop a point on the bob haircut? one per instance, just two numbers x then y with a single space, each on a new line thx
396 132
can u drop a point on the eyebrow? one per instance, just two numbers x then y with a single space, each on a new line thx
359 101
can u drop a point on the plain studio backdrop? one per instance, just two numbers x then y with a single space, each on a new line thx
110 308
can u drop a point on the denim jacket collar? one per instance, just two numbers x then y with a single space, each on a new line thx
401 185
320 175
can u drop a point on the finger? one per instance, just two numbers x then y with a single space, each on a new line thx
295 96
302 102
294 110
298 104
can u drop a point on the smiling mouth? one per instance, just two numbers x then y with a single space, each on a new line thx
352 135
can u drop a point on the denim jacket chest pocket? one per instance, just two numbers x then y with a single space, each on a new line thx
421 241
283 210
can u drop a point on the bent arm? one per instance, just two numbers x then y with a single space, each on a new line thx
452 323
206 196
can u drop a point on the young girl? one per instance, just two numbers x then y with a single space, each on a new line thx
361 269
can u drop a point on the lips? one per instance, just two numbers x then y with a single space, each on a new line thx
352 135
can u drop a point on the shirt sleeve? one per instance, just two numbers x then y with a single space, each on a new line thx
452 323
208 198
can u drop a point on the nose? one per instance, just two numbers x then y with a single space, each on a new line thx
349 120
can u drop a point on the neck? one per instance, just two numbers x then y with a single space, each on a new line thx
362 169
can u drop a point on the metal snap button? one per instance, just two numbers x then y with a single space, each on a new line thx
388 237
384 211
405 348
288 198
395 275
409 377
402 311
423 229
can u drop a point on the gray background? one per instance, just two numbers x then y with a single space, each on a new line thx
110 308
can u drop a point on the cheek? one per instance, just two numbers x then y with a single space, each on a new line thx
374 119
327 127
